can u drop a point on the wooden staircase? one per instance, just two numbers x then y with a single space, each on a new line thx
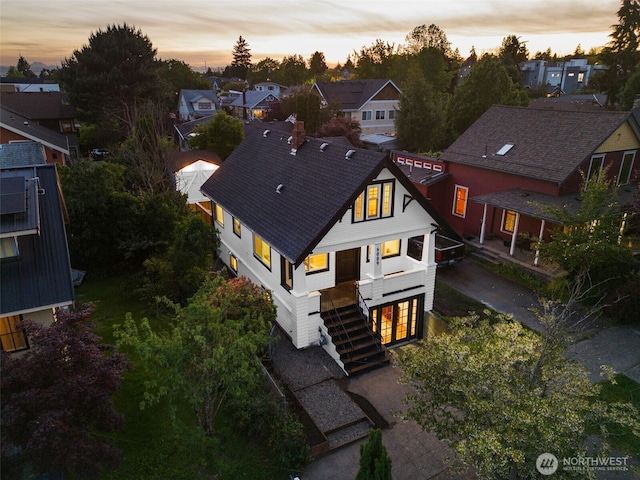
359 348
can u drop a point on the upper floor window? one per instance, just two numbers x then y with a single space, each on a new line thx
316 263
460 201
12 335
626 167
237 229
392 114
380 114
375 202
218 214
262 250
204 105
595 167
366 115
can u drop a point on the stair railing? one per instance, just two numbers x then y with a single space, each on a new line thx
327 305
366 314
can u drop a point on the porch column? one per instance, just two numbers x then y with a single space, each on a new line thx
535 262
484 222
514 235
299 281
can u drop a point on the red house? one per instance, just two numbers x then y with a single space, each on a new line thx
512 161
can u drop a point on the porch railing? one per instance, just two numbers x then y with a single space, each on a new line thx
366 313
327 305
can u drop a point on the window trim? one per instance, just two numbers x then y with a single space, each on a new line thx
13 332
590 173
316 270
286 274
217 208
631 153
384 198
505 214
454 210
366 115
380 114
233 262
394 254
237 227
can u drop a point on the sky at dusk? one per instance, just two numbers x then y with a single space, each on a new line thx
203 32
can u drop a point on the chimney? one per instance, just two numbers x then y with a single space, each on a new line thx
298 136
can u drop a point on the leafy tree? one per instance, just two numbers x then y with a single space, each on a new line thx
435 69
241 62
113 76
420 121
512 53
622 54
342 127
500 394
377 61
56 401
211 354
177 75
375 463
292 70
422 37
488 83
305 105
263 71
25 68
222 134
630 91
317 66
13 72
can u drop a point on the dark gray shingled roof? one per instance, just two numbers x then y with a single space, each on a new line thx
41 275
317 188
547 144
31 130
351 94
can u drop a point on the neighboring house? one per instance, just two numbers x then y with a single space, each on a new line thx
253 104
189 171
35 270
47 109
373 103
560 78
16 128
193 104
16 84
339 236
271 87
513 162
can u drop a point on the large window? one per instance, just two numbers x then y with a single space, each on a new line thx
390 249
398 322
204 105
366 115
460 201
316 263
218 215
262 250
375 202
508 221
626 167
380 114
595 167
12 335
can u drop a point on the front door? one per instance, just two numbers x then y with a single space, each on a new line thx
347 265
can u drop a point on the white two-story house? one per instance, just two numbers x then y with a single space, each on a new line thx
339 236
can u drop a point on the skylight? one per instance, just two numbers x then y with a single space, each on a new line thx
505 148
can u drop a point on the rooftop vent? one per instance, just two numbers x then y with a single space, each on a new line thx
324 146
505 148
279 188
289 140
265 133
349 154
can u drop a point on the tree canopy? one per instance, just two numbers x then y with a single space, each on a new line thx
56 401
222 134
241 59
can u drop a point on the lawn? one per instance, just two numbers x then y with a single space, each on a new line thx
154 447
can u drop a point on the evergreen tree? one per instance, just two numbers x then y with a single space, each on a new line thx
375 463
241 59
25 68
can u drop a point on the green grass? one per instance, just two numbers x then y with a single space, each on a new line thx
624 390
448 302
153 446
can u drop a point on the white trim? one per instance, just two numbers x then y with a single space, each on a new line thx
633 158
41 308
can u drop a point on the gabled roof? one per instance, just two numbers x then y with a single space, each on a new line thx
32 131
546 144
352 94
253 98
37 105
191 96
317 187
41 276
185 129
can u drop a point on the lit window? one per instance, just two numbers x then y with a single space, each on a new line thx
379 114
366 115
233 263
286 273
236 226
12 335
316 263
508 221
8 247
460 201
390 249
219 215
377 203
262 250
626 167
